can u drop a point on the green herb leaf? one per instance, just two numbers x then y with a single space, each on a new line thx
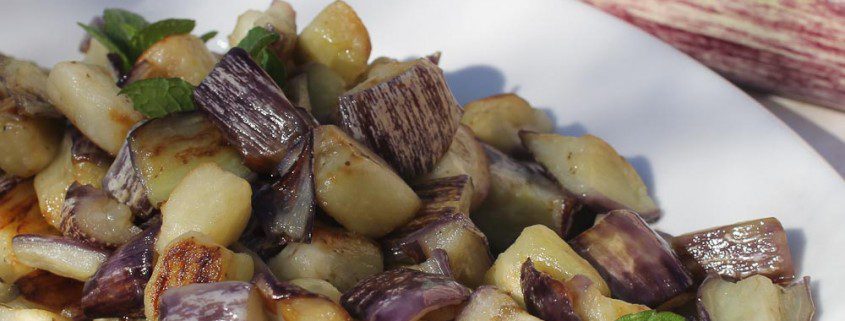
257 39
208 35
101 37
159 97
257 42
652 315
121 25
151 34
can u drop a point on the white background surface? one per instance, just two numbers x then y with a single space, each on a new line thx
710 154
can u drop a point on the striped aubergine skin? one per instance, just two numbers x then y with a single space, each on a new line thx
409 120
790 48
546 297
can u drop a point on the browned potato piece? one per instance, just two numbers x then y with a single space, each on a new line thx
28 314
337 256
465 157
23 87
27 144
520 196
177 56
591 305
88 97
550 254
318 286
336 38
590 169
280 16
487 303
357 188
19 214
193 258
497 120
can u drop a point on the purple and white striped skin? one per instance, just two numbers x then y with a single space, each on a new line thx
638 265
719 299
91 216
402 295
7 182
253 113
545 297
59 255
738 251
408 120
117 289
83 150
217 301
125 184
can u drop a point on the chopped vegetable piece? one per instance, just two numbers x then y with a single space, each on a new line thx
218 301
338 39
545 297
90 216
488 304
19 214
465 157
497 120
61 256
754 299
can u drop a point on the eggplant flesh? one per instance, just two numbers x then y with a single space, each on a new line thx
61 256
488 303
639 266
218 301
253 113
738 251
91 216
754 299
437 263
402 295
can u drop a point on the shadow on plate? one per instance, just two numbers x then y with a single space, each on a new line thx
475 82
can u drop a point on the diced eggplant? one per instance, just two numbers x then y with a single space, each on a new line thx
638 264
88 97
176 56
521 196
90 162
497 120
193 258
318 286
253 113
590 169
208 200
738 251
551 254
218 301
338 39
465 157
357 188
24 85
117 289
342 258
28 314
49 290
286 208
279 17
754 299
8 182
545 297
27 143
289 302
91 216
403 295
489 304
62 256
125 184
19 214
445 195
296 89
408 119
437 263
324 87
441 224
591 305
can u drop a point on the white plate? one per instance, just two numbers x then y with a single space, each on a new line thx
709 153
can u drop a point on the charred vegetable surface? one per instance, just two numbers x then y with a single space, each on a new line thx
639 265
546 297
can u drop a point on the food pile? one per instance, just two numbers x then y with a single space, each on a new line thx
291 178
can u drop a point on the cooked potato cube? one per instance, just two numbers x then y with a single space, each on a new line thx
52 183
465 157
19 214
318 286
193 258
520 196
336 38
549 253
337 256
590 305
88 97
23 87
177 56
22 314
209 200
497 120
487 303
27 144
591 169
324 87
357 188
280 16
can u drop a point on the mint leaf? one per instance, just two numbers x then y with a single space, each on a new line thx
101 37
257 43
159 97
652 315
151 34
257 39
121 25
208 35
